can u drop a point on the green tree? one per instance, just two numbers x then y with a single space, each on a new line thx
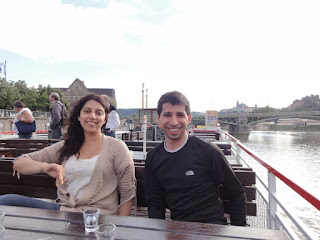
21 87
308 103
134 116
34 98
43 98
266 109
30 99
8 94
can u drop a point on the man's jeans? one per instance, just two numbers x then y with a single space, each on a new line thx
23 201
56 133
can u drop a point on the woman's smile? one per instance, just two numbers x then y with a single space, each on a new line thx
92 116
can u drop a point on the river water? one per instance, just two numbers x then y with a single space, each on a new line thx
297 156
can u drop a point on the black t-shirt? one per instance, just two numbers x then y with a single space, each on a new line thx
187 182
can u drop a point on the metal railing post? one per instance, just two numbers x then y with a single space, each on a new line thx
144 136
1 126
272 204
238 152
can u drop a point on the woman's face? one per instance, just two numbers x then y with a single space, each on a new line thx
92 116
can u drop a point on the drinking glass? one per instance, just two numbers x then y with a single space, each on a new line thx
105 231
91 217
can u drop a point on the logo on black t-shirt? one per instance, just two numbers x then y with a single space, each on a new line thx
189 173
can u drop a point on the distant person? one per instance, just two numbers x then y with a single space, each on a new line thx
24 115
113 119
55 116
91 169
184 173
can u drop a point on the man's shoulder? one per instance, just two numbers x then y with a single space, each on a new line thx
112 108
157 148
198 141
114 112
200 144
57 104
155 151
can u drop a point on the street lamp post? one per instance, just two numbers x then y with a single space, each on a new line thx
4 64
145 136
131 123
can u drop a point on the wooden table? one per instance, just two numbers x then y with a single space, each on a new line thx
28 223
5 151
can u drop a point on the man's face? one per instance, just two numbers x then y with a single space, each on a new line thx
173 121
50 99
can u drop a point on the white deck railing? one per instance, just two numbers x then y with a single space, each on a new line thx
274 203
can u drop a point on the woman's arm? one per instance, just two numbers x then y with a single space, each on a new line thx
25 117
26 166
124 169
125 209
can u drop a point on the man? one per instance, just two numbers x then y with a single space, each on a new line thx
184 173
55 115
113 118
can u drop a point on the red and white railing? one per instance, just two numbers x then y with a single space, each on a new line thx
276 221
14 135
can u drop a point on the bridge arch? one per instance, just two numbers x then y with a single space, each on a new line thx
239 122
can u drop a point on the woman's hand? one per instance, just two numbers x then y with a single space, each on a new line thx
26 165
56 171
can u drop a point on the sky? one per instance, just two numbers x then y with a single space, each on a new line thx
263 53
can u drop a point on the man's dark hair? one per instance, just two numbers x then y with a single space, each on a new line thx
105 97
55 96
174 98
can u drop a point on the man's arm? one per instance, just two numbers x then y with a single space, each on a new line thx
233 190
155 197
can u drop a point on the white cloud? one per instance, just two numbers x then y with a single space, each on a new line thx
251 51
49 29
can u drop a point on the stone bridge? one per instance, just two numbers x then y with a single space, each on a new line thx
239 122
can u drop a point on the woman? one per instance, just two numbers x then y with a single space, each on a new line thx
24 115
90 168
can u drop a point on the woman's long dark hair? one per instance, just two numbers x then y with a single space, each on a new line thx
74 137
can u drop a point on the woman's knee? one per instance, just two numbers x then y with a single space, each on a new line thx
23 201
